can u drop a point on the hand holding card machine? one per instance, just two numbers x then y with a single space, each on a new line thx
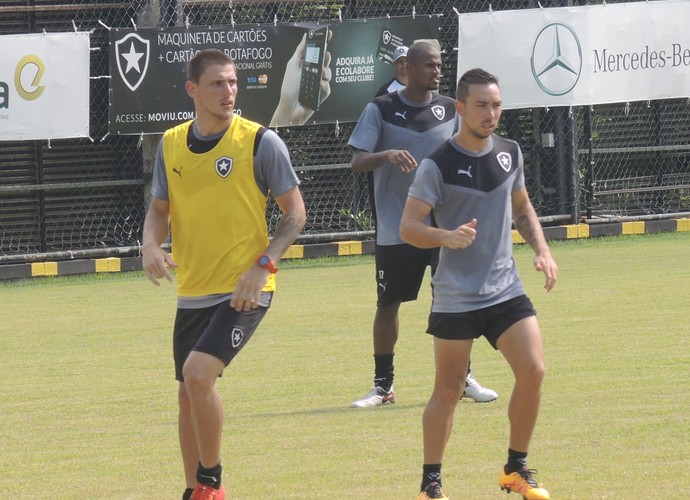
314 53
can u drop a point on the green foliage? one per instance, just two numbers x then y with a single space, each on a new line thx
362 219
88 399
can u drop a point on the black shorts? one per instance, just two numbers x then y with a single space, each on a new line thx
491 321
218 330
400 271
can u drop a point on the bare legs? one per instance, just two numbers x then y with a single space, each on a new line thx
188 444
521 345
451 357
201 414
386 328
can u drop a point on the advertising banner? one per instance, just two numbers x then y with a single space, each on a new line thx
289 74
587 55
44 86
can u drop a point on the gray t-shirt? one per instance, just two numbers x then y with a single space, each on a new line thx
393 122
461 186
272 171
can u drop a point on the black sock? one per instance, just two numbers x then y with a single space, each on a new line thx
517 460
210 477
431 473
383 371
187 494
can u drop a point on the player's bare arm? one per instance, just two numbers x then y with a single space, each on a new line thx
362 161
528 225
248 291
462 236
156 261
415 230
291 223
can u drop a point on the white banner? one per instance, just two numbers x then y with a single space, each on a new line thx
575 56
44 86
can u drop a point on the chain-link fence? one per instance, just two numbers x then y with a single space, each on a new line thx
639 162
88 196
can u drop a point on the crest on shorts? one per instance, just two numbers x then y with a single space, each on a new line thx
505 160
236 337
439 112
223 166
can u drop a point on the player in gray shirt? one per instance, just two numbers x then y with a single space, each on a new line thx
394 133
474 184
463 185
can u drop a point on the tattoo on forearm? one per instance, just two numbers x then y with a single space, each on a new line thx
289 228
526 229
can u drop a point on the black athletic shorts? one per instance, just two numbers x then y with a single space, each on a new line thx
491 321
218 330
400 271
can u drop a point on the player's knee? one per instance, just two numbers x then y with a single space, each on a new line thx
196 379
532 375
448 392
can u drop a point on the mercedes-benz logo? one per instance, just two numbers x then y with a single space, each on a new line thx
556 59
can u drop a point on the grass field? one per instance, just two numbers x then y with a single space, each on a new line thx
88 399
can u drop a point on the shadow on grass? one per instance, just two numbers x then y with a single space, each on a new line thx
339 410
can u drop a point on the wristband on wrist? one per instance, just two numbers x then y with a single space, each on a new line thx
266 262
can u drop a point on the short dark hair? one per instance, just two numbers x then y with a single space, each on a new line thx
203 59
420 49
473 76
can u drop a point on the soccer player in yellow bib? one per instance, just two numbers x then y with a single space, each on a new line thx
212 178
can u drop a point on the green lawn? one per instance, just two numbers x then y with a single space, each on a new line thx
88 397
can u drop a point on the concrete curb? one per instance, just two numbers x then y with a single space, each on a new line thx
337 249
